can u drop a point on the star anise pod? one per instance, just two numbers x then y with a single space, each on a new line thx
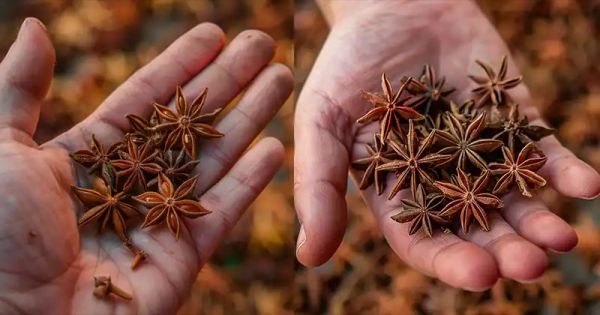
427 90
176 168
379 153
98 159
522 170
464 143
518 128
413 161
470 199
493 88
169 204
389 108
187 123
136 164
430 124
143 130
465 112
421 212
105 207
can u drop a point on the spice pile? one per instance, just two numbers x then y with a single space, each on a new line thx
457 160
152 167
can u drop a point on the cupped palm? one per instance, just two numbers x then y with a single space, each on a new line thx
47 262
398 38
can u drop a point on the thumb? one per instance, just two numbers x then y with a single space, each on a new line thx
25 76
320 175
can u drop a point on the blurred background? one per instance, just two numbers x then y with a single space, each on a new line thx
555 42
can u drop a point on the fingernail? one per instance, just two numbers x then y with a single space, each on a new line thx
559 252
301 239
534 280
23 27
476 289
26 24
592 197
39 23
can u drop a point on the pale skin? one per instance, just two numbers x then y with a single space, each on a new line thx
47 266
47 263
398 37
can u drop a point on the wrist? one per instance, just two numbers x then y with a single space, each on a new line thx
335 11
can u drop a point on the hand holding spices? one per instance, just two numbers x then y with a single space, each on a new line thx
454 159
433 144
151 156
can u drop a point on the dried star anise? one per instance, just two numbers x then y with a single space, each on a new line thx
168 204
522 170
469 199
105 207
176 168
98 159
188 123
150 147
143 130
518 128
465 112
427 90
451 141
414 161
136 163
379 153
464 143
421 211
389 108
429 125
493 88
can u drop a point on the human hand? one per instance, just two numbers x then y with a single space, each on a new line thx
47 264
398 37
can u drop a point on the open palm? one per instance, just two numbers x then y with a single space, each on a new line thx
46 265
398 37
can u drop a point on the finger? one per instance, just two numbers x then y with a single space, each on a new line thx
564 171
516 257
444 256
240 62
233 194
25 76
243 123
533 221
568 174
155 82
321 136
